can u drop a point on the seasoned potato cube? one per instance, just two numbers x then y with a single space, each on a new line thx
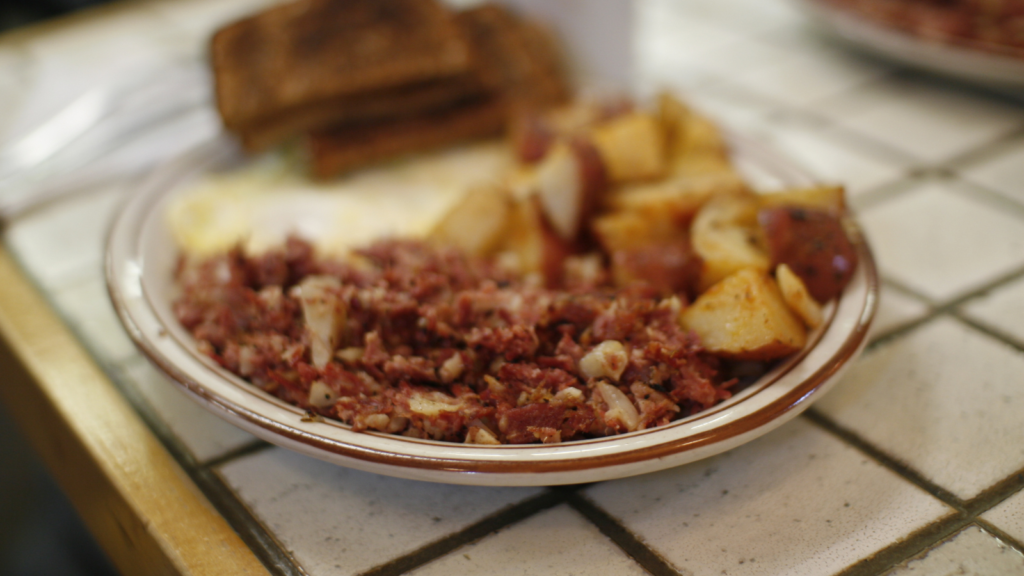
677 197
725 235
632 147
673 115
476 222
799 300
745 317
631 229
831 199
531 246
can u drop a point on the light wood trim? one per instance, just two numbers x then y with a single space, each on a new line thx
140 505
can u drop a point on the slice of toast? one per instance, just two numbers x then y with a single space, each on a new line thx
518 58
393 103
335 151
311 51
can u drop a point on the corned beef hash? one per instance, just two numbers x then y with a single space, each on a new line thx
620 277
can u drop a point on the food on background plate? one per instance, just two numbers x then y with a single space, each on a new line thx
619 275
361 81
987 25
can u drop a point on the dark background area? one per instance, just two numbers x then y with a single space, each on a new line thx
14 13
40 532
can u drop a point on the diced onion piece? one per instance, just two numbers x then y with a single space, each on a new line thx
569 396
619 406
478 435
796 296
432 403
378 421
324 313
607 360
321 396
451 369
351 355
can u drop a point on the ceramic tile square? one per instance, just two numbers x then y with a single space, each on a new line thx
928 120
942 244
797 501
1008 516
339 521
664 26
757 16
895 309
1003 172
64 242
87 308
828 156
555 542
818 71
1002 309
970 552
944 399
204 434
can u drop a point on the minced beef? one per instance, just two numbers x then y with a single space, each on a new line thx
431 343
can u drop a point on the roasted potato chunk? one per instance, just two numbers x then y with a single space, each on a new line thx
799 300
725 235
531 246
745 317
678 197
831 199
476 222
814 245
632 147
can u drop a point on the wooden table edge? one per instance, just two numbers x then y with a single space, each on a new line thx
141 506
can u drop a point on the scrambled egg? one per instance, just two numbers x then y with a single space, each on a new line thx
260 204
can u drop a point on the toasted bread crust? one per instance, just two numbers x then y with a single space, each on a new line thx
519 59
390 104
316 50
338 150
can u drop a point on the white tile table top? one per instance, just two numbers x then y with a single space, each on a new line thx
559 542
1002 172
202 434
944 399
942 243
922 438
797 501
971 552
921 119
1008 516
339 521
1002 310
896 308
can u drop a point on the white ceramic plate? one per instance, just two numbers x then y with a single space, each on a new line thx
954 61
141 255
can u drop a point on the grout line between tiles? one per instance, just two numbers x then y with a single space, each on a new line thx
905 471
989 331
998 533
950 308
511 515
255 535
985 151
623 538
971 189
916 542
242 451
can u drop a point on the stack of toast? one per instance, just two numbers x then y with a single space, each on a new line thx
363 81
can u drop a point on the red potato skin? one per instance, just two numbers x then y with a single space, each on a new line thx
593 180
668 268
814 245
532 137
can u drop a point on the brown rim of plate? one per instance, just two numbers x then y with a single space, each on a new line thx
743 425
